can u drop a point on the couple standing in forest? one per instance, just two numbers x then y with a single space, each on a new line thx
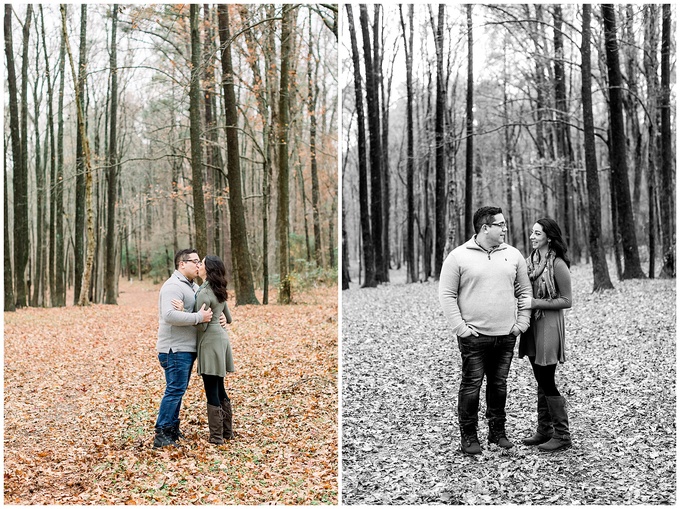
490 296
192 324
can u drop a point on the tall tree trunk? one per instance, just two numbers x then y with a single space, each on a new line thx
38 297
651 66
19 182
79 230
243 279
411 262
667 216
626 223
373 110
195 133
111 275
440 157
469 148
562 141
283 212
312 94
366 234
83 291
59 297
601 279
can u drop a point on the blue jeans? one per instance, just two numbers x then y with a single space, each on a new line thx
490 356
177 367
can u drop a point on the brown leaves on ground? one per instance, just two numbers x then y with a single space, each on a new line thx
401 373
83 385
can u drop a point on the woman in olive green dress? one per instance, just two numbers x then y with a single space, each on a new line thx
214 349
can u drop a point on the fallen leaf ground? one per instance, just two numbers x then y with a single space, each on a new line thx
401 373
81 394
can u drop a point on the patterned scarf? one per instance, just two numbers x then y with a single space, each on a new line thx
544 287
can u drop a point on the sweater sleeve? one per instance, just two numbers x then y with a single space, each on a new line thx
169 313
227 314
202 298
563 284
449 281
523 288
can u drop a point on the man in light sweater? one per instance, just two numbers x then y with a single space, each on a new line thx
176 343
479 285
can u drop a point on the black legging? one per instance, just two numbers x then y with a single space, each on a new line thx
214 389
545 377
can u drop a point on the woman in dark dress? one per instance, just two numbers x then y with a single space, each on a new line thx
214 357
543 342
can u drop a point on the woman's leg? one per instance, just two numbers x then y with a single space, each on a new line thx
544 428
545 377
212 393
561 438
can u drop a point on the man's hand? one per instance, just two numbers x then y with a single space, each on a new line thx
223 321
178 304
206 314
515 331
469 332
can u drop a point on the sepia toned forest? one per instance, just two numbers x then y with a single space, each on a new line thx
132 131
565 111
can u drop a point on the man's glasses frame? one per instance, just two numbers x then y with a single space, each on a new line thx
197 262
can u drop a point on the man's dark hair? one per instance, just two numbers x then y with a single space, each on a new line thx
182 254
484 215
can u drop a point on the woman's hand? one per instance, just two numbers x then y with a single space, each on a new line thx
525 303
178 304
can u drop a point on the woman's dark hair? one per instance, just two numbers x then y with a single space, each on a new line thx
215 274
554 234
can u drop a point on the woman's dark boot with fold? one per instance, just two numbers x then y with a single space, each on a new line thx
215 424
561 438
227 427
544 430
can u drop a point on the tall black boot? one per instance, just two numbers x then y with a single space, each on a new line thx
561 438
544 430
497 434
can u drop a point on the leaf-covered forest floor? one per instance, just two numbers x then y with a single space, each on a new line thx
83 385
401 373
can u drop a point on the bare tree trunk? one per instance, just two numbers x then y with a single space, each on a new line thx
10 304
38 297
373 110
366 236
411 261
312 94
245 290
195 133
601 279
626 223
667 167
59 297
283 212
79 230
469 147
111 275
440 158
651 66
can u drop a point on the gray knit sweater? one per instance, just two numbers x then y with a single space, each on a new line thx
174 327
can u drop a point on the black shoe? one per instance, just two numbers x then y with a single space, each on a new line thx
163 438
469 443
536 439
175 433
497 436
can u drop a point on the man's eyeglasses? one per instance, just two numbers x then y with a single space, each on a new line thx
197 262
502 226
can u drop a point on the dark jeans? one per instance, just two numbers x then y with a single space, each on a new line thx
490 356
177 367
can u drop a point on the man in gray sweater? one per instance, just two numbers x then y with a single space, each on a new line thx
479 285
176 343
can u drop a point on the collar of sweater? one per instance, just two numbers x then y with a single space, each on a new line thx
473 244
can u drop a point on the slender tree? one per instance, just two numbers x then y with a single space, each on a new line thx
440 157
373 110
245 290
79 265
283 214
111 287
469 130
667 167
366 237
601 279
626 224
312 94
